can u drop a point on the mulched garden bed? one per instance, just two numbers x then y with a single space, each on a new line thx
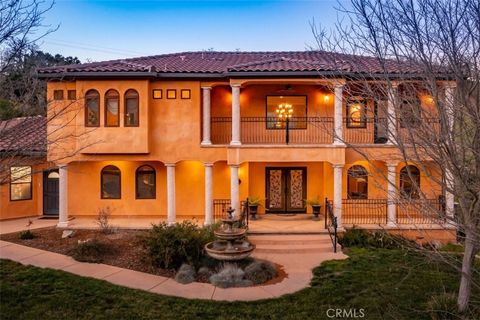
126 249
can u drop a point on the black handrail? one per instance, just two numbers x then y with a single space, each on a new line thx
221 206
245 213
331 223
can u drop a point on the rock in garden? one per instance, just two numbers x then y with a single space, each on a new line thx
68 233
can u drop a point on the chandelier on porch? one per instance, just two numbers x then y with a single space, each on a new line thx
284 111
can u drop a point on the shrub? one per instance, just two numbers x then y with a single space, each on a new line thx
27 235
452 248
171 246
443 307
230 275
356 237
91 251
186 274
260 271
103 220
382 239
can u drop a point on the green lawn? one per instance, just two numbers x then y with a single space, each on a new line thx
388 284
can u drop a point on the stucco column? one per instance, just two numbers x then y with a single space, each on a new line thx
338 120
449 105
206 116
63 197
391 115
235 115
208 193
234 189
391 194
449 181
171 218
337 192
449 197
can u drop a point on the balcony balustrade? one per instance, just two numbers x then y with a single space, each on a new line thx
316 130
265 130
369 131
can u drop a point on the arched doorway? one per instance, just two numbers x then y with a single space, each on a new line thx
50 192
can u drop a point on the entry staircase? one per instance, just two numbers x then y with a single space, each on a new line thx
292 243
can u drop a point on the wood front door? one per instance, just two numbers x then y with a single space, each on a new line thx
286 189
50 192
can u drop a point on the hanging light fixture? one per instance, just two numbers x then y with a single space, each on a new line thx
284 111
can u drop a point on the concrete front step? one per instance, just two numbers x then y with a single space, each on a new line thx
295 249
289 239
259 231
292 243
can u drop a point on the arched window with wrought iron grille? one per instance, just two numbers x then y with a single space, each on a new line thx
111 185
145 182
357 182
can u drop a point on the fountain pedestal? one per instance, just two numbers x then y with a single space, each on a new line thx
230 243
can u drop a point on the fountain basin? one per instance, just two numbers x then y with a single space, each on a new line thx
230 234
220 250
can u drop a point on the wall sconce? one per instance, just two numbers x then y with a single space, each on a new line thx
326 97
428 99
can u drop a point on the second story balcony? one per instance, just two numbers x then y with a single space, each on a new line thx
306 114
271 130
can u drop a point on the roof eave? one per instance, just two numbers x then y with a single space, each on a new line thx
230 74
89 74
17 153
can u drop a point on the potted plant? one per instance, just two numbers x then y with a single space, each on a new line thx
315 204
253 203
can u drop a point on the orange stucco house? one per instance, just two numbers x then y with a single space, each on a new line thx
175 135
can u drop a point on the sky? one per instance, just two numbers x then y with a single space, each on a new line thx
95 30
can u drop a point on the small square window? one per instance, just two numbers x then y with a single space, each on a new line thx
58 94
171 94
72 95
185 94
157 94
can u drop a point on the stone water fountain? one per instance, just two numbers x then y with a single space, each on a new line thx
230 243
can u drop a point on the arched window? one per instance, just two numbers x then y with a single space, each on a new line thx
112 108
111 183
410 182
356 113
145 187
92 108
131 108
357 184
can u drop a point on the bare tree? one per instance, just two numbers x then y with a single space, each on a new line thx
428 50
25 140
21 25
21 91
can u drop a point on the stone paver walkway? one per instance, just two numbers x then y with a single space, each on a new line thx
297 266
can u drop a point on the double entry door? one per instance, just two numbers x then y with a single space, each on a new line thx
286 189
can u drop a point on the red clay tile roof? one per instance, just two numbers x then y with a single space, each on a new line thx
223 63
25 135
